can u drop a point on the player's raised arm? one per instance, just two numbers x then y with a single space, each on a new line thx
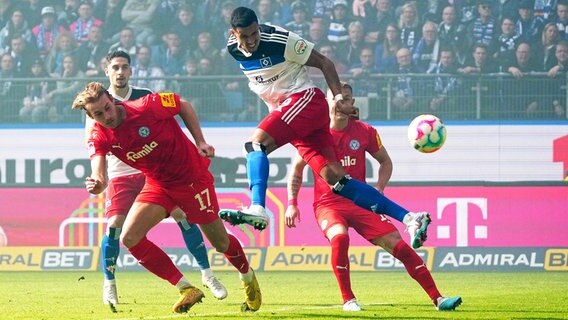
317 60
294 184
191 121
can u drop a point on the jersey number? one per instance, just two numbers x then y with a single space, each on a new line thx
204 199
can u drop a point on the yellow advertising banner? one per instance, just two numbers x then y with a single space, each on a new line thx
48 258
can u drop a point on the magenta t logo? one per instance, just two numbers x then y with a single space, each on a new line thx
461 228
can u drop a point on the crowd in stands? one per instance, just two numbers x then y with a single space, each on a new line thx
453 40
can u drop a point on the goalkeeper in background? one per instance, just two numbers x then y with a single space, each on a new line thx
336 214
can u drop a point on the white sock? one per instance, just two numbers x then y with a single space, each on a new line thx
246 277
183 283
206 273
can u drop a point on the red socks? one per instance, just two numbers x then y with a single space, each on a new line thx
156 261
416 269
236 255
340 265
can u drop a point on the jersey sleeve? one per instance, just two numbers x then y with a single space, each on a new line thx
375 143
96 143
164 104
297 49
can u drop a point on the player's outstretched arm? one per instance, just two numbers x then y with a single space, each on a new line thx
97 182
191 121
317 60
294 184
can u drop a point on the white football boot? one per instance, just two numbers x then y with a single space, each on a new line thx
215 286
352 306
417 227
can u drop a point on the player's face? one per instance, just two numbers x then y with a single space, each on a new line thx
105 112
118 72
336 115
249 37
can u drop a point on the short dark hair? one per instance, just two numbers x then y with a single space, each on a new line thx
118 54
243 17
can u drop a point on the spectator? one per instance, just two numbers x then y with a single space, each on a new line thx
65 44
34 108
362 72
222 32
206 9
562 19
480 61
466 10
205 49
16 26
351 50
426 53
558 75
299 24
285 10
528 26
47 31
210 102
126 43
483 28
6 9
337 32
317 34
91 52
139 15
187 27
517 90
23 54
32 11
409 25
110 12
167 13
377 19
100 71
545 53
507 41
170 56
323 10
267 12
69 13
406 89
385 52
59 99
82 26
11 93
546 9
447 86
507 9
143 69
450 31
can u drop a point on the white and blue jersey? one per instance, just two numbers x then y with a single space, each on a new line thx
277 68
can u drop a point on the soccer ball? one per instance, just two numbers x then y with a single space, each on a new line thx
427 133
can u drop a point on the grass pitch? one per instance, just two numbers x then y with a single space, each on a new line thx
287 295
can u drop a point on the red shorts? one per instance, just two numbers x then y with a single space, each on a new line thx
303 120
121 193
368 224
198 200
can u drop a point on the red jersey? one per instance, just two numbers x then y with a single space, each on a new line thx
150 140
351 145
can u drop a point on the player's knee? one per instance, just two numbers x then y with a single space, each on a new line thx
335 230
129 239
221 244
388 241
251 146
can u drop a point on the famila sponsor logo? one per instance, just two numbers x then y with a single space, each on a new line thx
146 149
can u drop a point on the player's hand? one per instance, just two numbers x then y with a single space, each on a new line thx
346 107
206 150
93 186
292 213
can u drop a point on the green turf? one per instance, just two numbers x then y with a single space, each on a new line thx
287 295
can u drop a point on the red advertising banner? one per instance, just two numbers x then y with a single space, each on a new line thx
463 216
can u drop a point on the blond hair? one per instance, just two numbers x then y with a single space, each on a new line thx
93 92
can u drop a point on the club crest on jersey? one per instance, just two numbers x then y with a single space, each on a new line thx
144 132
300 47
354 145
265 62
168 100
